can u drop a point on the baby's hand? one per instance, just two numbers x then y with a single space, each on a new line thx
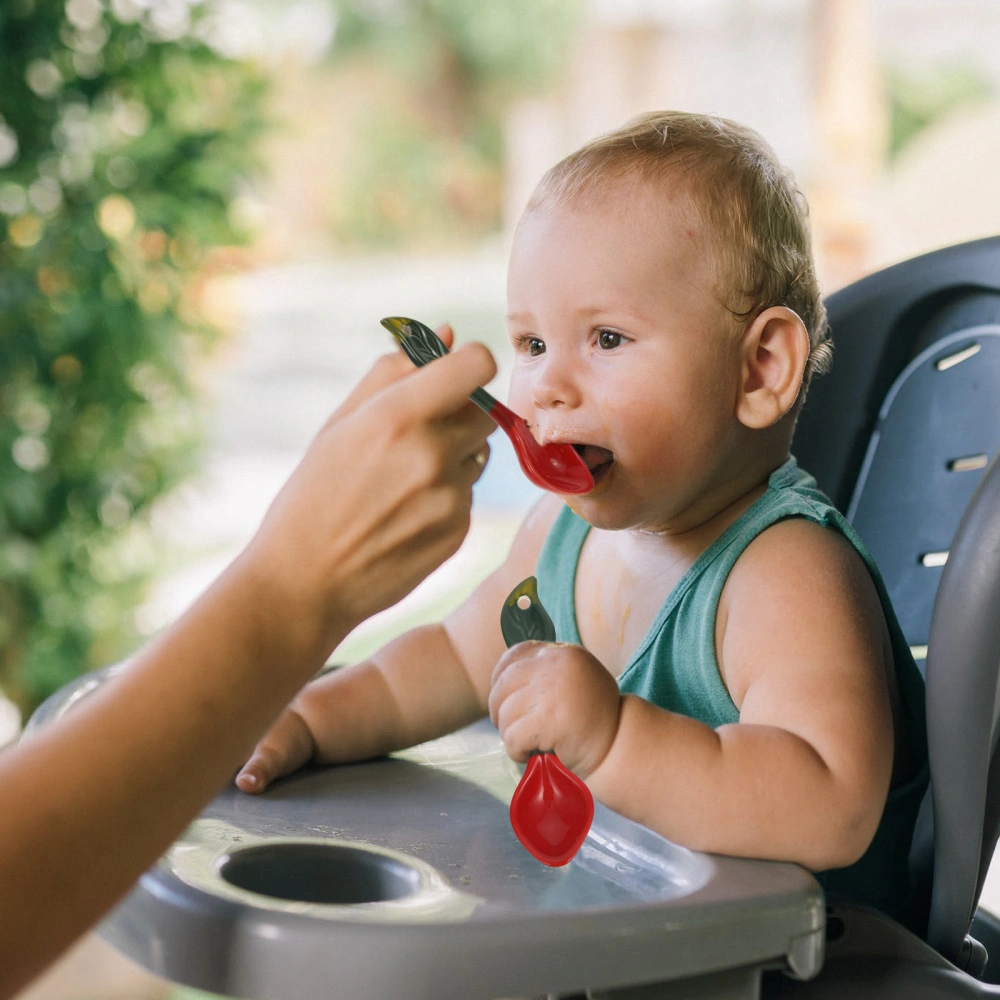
284 748
555 696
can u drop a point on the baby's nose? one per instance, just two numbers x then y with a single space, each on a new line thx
554 386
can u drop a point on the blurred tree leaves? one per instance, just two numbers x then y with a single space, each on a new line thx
918 98
123 141
518 42
427 166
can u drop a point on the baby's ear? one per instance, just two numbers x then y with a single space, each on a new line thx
774 351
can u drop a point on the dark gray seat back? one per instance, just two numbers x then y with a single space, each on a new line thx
963 698
936 431
879 325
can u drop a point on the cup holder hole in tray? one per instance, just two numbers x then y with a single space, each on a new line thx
320 873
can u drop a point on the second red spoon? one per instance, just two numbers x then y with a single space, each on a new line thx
551 809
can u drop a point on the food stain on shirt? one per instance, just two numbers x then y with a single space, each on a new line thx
626 611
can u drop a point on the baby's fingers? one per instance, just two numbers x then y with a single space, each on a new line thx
512 672
519 720
285 747
522 738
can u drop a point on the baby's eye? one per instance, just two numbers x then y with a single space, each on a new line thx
532 345
608 340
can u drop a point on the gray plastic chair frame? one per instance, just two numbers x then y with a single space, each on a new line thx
963 688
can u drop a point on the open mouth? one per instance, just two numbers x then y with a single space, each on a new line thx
597 459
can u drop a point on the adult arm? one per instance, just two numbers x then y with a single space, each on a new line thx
380 499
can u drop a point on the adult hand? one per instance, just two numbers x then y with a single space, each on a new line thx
380 499
555 696
382 496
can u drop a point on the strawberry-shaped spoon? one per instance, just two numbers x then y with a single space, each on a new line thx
554 467
552 809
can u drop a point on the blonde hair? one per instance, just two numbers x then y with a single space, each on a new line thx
756 214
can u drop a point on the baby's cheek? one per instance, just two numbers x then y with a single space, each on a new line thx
519 396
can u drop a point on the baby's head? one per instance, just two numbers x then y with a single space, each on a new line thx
665 314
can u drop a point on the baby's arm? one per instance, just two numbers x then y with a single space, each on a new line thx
430 681
803 776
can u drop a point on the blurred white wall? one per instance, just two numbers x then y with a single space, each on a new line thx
810 76
744 60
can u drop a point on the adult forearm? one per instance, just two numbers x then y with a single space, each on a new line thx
91 801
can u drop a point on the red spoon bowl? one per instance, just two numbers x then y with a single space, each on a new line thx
551 810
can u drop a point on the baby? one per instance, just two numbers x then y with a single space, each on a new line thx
729 671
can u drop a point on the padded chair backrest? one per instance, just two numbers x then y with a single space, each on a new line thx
879 325
899 434
936 431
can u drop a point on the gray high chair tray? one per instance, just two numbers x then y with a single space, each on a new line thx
402 878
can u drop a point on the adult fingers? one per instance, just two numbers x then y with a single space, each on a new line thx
473 466
446 333
437 426
387 369
459 439
441 388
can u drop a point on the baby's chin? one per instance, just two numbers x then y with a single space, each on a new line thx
610 515
604 507
600 517
614 503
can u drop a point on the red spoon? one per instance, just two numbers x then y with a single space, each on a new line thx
551 809
555 467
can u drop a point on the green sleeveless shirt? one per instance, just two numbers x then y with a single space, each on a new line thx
675 667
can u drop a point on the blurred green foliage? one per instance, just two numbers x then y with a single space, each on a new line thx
123 139
427 165
919 98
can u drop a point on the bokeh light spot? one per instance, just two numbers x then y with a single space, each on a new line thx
116 216
84 14
66 369
30 453
13 199
43 77
8 144
25 230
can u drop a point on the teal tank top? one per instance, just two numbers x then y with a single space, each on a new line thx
675 667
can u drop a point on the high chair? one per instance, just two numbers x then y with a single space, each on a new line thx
904 434
402 878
